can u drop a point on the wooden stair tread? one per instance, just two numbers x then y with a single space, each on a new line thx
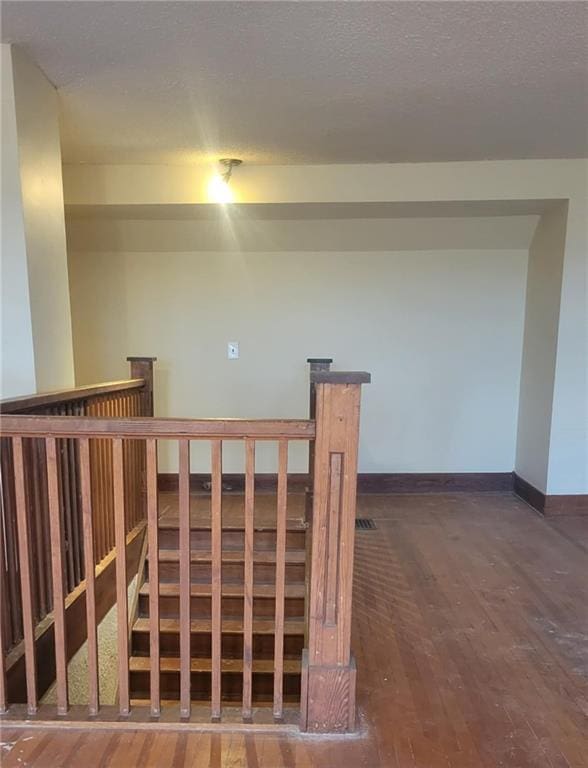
293 556
229 626
292 524
228 590
227 704
172 664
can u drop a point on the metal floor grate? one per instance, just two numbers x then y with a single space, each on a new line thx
364 524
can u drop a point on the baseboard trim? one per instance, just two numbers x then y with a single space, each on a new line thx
550 505
367 482
435 482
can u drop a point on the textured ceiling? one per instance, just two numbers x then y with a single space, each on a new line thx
312 82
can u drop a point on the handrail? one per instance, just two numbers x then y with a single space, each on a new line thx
43 399
205 429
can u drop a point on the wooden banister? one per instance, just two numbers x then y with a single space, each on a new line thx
328 667
107 457
76 475
45 399
162 428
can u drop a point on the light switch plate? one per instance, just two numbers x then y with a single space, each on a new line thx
233 350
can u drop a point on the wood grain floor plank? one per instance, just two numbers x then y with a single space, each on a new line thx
470 631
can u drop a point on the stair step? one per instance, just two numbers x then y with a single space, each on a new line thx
232 537
292 524
172 664
229 626
293 556
228 705
228 590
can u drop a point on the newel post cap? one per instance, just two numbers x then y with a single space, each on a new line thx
340 377
141 359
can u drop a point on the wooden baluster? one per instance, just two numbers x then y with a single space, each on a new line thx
24 553
328 667
64 487
248 577
14 606
185 600
40 555
88 531
280 577
57 564
110 480
121 575
5 632
76 544
106 466
98 496
153 541
44 507
216 575
94 479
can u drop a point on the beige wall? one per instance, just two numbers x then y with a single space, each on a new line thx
508 182
16 351
440 330
36 309
540 347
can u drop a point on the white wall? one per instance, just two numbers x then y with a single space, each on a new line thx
520 181
568 449
16 351
540 347
36 292
440 331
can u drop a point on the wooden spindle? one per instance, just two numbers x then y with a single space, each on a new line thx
14 606
63 465
185 602
88 534
121 576
280 577
57 565
216 575
40 554
70 458
153 541
4 615
248 577
110 448
44 505
24 553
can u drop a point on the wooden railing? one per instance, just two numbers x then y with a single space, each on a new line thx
127 398
328 671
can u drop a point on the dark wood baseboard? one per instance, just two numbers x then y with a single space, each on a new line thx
550 505
527 492
434 482
367 482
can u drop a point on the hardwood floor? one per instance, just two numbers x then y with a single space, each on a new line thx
470 630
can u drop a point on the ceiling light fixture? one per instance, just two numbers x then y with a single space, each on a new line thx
218 188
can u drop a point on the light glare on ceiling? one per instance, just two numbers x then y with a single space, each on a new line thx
218 187
219 191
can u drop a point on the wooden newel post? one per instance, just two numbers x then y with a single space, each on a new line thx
142 368
316 364
328 666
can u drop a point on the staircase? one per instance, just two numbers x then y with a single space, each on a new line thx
232 605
